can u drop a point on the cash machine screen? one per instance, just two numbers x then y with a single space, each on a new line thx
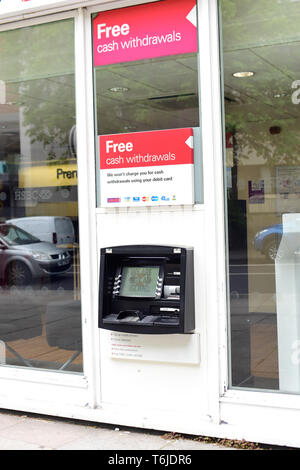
139 281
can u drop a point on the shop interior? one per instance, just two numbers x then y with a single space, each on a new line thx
261 72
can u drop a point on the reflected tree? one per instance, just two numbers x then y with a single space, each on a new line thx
37 66
262 36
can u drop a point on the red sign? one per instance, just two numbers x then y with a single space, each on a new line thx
145 31
147 168
152 148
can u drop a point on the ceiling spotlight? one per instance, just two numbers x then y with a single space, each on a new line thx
243 74
118 89
279 95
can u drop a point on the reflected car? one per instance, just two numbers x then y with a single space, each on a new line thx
267 241
24 257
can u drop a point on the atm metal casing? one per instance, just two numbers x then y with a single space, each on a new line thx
158 314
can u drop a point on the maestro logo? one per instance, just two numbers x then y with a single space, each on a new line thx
113 199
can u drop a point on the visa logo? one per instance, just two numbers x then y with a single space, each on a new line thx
127 198
154 198
113 199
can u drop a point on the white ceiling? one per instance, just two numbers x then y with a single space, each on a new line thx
161 93
261 36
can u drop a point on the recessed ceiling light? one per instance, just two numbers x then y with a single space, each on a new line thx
243 74
275 94
279 95
118 89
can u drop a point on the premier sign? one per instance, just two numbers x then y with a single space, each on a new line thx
145 32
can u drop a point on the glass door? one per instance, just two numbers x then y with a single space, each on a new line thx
40 307
261 76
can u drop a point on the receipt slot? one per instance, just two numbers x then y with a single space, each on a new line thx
147 289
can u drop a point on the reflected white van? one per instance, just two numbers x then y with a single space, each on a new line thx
57 230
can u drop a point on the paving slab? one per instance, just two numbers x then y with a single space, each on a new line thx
35 432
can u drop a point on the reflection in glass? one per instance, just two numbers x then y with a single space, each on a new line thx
40 308
263 179
147 95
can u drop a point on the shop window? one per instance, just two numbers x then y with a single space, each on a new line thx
261 76
40 313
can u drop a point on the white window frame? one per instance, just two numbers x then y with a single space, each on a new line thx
233 398
12 373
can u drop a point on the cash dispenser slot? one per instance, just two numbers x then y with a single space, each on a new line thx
147 289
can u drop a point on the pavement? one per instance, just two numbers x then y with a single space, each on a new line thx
23 431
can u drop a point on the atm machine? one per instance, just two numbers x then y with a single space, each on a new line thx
147 289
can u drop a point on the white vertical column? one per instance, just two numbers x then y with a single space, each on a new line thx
287 275
211 127
86 202
2 352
